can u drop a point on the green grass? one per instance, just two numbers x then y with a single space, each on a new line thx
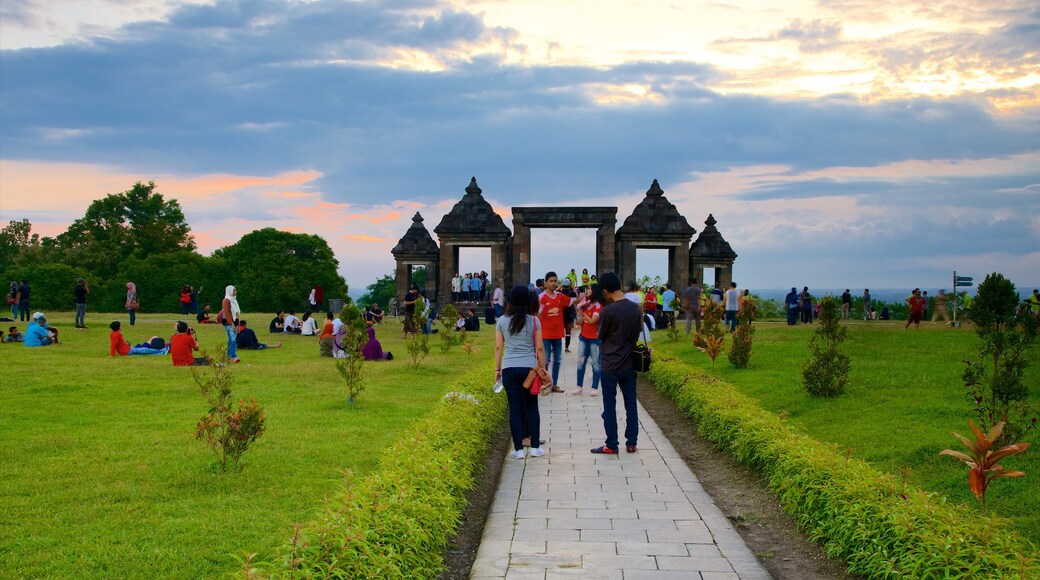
903 399
102 476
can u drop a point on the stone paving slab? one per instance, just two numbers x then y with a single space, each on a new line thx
571 514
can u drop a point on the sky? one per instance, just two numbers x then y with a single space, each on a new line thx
838 143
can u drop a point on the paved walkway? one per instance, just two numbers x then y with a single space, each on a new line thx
573 514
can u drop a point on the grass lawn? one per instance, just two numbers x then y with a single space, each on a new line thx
102 476
904 398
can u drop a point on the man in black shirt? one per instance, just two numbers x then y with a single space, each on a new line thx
619 327
278 322
23 301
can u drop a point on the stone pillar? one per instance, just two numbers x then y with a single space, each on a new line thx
606 249
521 253
433 279
448 264
401 278
698 273
500 266
626 266
723 277
678 266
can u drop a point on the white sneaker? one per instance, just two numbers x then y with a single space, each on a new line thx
537 452
518 454
576 391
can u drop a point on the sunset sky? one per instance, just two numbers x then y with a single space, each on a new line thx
839 143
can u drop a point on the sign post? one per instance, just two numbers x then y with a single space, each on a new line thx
958 282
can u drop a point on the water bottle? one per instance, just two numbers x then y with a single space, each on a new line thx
498 386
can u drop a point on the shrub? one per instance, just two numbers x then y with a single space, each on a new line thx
396 522
740 348
711 324
826 371
418 344
994 380
449 317
229 431
879 525
982 463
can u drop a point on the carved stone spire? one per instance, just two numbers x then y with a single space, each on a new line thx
472 188
655 189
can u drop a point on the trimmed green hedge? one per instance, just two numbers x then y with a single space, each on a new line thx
882 527
396 522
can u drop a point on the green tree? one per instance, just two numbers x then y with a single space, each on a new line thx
380 292
826 372
276 270
159 278
138 221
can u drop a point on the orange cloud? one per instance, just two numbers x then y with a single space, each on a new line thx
362 238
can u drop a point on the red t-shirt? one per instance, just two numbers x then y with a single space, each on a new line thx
650 302
550 313
181 347
591 331
117 345
916 304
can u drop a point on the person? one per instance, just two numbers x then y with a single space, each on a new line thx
372 350
312 299
79 295
36 333
14 335
12 300
185 299
309 326
650 303
569 315
539 286
732 305
456 287
292 324
498 300
588 338
716 295
183 345
319 296
916 303
572 277
519 349
941 310
229 307
551 308
131 302
791 302
430 315
584 277
277 323
24 293
377 314
328 330
619 326
635 296
846 304
247 338
472 323
1033 302
805 300
868 308
885 314
668 305
195 300
203 316
409 310
691 304
117 345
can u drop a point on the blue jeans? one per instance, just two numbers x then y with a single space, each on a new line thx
81 314
588 348
14 311
553 352
133 315
232 341
23 311
626 380
523 407
731 320
498 311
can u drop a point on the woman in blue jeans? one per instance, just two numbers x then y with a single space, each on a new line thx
231 312
518 349
588 338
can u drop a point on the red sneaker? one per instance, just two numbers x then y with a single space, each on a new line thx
604 450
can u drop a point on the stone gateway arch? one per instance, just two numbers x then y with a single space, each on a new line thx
655 223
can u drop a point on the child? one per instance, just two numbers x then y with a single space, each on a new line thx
14 335
117 344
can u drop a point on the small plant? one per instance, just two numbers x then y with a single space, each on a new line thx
418 344
470 346
994 380
740 348
982 462
354 337
713 348
227 429
711 325
826 372
449 316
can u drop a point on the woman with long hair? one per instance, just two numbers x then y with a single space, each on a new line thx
131 302
588 338
519 350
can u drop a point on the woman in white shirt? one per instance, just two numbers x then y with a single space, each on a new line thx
310 327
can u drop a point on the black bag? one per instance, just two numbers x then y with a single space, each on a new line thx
641 357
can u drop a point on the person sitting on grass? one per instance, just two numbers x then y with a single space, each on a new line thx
328 330
278 322
247 338
14 335
37 333
181 346
309 327
377 314
117 345
472 323
372 349
293 324
203 316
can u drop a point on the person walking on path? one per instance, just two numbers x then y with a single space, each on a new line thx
588 337
79 294
846 304
131 302
732 305
23 300
519 348
552 306
691 304
229 307
619 326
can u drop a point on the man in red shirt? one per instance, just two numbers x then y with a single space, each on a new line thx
916 309
181 346
551 308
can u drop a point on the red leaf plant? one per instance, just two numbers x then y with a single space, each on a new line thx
982 462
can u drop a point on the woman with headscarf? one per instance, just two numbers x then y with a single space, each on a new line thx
229 308
372 349
131 301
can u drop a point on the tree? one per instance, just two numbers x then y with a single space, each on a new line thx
138 221
13 239
380 292
275 270
826 372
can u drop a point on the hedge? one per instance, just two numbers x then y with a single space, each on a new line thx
397 521
881 527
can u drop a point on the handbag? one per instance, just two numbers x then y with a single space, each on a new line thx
133 305
10 299
641 356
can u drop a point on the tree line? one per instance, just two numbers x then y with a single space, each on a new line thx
139 236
